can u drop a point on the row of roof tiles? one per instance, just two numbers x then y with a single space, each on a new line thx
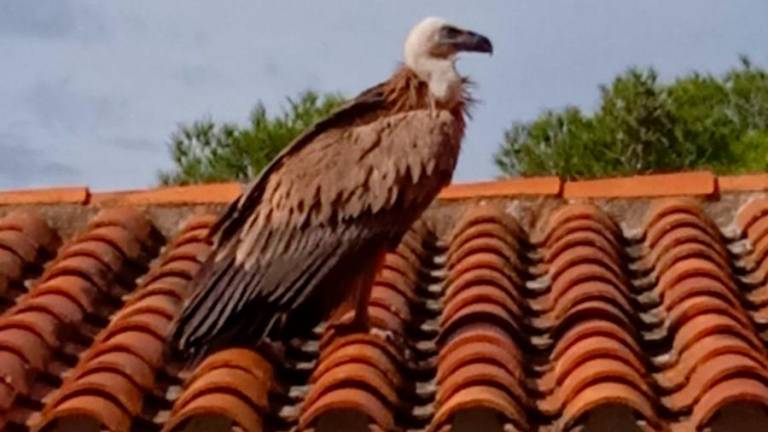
657 185
539 328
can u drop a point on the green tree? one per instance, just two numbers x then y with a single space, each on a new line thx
641 126
206 152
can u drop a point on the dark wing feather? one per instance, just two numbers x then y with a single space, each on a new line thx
323 210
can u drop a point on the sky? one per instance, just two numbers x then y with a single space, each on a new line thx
90 91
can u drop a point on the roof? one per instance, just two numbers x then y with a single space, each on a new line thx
527 304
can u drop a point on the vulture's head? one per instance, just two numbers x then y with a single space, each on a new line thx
437 38
431 48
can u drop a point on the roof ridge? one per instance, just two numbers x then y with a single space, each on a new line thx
697 183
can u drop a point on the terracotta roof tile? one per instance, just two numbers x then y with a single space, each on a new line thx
747 182
510 187
64 195
694 183
504 303
197 194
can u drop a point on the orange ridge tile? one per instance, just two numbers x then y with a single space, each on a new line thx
58 195
655 185
504 187
746 182
214 193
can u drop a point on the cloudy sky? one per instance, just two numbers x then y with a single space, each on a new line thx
91 90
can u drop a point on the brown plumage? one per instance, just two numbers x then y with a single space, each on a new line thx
310 232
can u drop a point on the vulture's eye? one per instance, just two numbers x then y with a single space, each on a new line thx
451 32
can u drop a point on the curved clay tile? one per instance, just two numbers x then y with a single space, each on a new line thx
574 212
122 363
727 392
31 224
594 309
481 374
685 222
707 375
482 276
346 399
197 235
482 230
589 373
587 272
91 269
591 227
119 238
661 262
232 383
101 383
387 297
704 304
666 207
606 393
751 213
17 243
362 338
395 263
487 213
481 244
480 294
694 286
14 378
478 332
710 323
584 351
585 238
481 396
73 287
678 370
105 410
488 312
59 306
222 405
11 267
679 236
478 352
484 260
249 387
353 375
757 231
590 328
692 267
360 352
757 277
583 292
129 218
583 255
102 251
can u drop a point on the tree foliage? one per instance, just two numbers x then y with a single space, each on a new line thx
642 125
208 152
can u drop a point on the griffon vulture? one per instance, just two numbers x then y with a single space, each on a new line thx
308 235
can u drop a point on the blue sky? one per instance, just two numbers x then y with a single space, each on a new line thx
91 90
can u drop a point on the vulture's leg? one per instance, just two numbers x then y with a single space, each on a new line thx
357 301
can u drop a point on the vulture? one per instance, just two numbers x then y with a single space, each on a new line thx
306 238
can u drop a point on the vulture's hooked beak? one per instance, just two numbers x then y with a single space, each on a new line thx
470 41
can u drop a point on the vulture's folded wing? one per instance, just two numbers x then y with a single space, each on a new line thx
329 204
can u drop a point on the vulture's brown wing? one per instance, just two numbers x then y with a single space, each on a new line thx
326 207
